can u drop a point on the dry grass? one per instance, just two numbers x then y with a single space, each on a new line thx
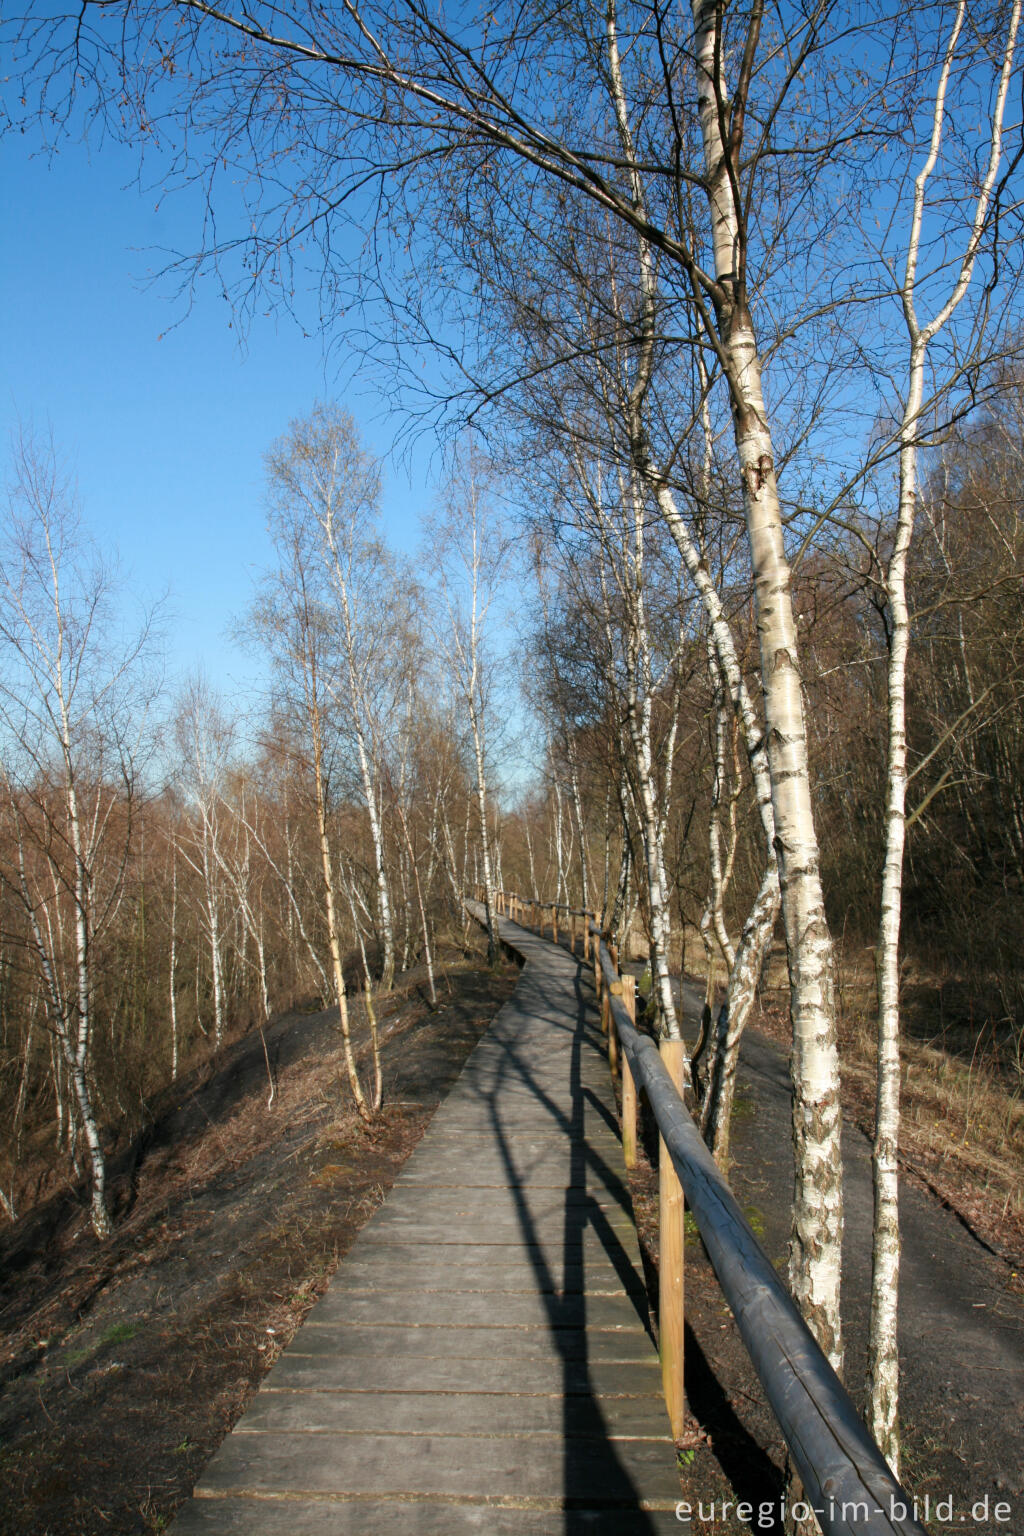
962 1113
962 1129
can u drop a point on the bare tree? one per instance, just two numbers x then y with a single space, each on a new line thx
294 618
319 471
921 333
203 737
469 554
73 707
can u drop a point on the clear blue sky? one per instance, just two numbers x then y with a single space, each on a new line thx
167 435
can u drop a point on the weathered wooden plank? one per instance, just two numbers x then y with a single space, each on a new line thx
467 1466
349 1373
455 1342
480 1267
290 1516
388 1308
415 1413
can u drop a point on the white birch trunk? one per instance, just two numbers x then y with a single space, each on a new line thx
657 883
577 801
883 1350
485 838
816 1239
172 978
333 936
213 929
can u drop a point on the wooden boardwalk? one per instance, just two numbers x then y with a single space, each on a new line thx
482 1361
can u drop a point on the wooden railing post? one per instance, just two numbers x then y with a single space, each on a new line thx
671 1238
613 1035
554 925
628 1082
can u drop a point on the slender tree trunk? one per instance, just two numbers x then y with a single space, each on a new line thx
387 922
485 838
883 1354
333 937
751 954
529 854
817 1229
172 978
428 959
657 883
78 1057
577 801
377 1097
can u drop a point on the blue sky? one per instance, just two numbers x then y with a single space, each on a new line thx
166 425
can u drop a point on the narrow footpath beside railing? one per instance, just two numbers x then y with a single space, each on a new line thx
845 1478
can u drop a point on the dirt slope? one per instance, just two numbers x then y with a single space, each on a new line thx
123 1365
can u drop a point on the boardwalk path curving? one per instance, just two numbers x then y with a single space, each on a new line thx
482 1361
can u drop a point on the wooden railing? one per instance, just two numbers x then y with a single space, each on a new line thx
845 1479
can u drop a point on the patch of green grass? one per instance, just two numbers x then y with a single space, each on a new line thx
756 1220
743 1107
117 1333
120 1333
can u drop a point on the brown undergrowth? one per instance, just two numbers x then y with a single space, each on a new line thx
123 1365
962 1106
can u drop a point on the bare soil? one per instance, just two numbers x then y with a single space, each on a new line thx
124 1364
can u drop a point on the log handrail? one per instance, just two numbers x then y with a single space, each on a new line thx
845 1478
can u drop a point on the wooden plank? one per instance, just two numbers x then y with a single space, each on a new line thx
290 1516
415 1413
484 1467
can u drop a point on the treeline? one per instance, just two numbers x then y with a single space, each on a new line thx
172 871
584 835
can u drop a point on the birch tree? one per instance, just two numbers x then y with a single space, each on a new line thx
73 709
203 737
319 471
469 554
921 332
293 616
